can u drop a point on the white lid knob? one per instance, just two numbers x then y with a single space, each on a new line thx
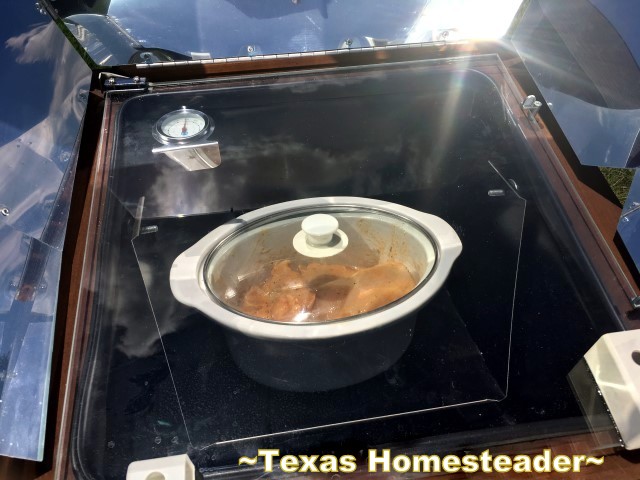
320 237
320 229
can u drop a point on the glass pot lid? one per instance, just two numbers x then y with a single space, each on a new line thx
319 264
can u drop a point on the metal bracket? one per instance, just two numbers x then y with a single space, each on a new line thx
635 207
531 106
112 82
192 157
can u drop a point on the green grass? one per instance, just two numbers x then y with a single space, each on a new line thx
619 180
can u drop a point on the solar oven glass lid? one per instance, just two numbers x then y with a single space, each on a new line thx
179 377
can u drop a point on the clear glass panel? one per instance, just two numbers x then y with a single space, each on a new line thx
469 370
125 31
481 356
44 85
588 76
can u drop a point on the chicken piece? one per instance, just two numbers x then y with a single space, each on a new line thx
331 284
316 274
282 296
327 292
377 286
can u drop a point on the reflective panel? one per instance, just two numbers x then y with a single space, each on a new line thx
125 31
44 85
629 225
583 56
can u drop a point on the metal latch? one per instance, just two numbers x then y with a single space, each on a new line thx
531 106
117 82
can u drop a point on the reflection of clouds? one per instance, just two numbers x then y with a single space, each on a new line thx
32 46
351 82
139 338
70 74
46 147
287 167
177 199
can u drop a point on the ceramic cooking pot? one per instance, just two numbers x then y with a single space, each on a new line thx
320 293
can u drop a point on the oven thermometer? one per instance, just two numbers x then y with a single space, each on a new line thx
182 126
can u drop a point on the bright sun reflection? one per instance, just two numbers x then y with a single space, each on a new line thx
454 20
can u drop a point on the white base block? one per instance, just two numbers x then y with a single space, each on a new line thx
616 369
177 467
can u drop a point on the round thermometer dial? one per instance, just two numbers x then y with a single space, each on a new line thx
182 126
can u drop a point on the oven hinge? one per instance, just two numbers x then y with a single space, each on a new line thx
110 81
531 106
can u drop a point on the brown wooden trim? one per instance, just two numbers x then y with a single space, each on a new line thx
83 294
170 72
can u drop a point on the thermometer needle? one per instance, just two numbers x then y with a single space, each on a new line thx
184 127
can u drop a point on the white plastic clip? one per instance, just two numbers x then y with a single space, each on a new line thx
614 361
177 467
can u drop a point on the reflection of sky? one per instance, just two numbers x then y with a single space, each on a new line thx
596 110
16 114
624 16
629 226
225 27
598 135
